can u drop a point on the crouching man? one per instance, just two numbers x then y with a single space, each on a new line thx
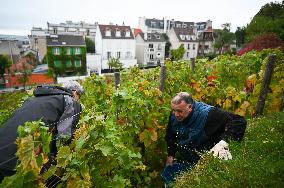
194 127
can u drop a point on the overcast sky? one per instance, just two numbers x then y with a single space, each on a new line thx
19 16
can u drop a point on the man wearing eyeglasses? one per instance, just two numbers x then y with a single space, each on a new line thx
194 127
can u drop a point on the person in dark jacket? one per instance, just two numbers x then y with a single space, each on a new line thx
195 127
57 107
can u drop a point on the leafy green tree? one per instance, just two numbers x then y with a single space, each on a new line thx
114 63
240 36
224 38
177 54
90 44
269 19
25 73
5 62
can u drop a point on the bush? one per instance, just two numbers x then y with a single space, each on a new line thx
262 42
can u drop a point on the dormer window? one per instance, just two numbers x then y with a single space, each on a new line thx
158 36
127 33
108 32
149 36
182 37
187 37
153 24
117 33
178 25
184 25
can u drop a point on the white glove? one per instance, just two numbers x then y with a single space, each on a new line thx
221 150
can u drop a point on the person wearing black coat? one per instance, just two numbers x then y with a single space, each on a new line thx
57 107
195 127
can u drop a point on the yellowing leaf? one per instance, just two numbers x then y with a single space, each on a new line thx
219 102
227 104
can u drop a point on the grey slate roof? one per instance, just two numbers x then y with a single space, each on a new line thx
65 40
184 31
159 24
153 37
41 69
113 29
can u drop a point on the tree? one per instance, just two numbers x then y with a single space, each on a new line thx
25 72
224 38
240 36
269 19
90 45
177 54
31 58
114 63
5 63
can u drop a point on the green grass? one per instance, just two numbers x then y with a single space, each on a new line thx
258 161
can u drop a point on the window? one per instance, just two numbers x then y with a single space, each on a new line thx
149 36
117 33
77 63
55 51
153 24
151 56
158 36
108 55
77 50
187 54
206 47
68 63
188 46
151 45
128 54
108 33
57 63
118 55
68 51
127 33
184 25
193 47
178 25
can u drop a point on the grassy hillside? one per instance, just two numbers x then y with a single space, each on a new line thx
258 161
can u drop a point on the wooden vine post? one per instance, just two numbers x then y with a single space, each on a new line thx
265 84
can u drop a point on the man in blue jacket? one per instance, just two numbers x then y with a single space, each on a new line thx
194 127
57 107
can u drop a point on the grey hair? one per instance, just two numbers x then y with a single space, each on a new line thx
73 86
182 96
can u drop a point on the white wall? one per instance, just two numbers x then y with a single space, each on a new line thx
98 42
60 80
139 52
94 63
